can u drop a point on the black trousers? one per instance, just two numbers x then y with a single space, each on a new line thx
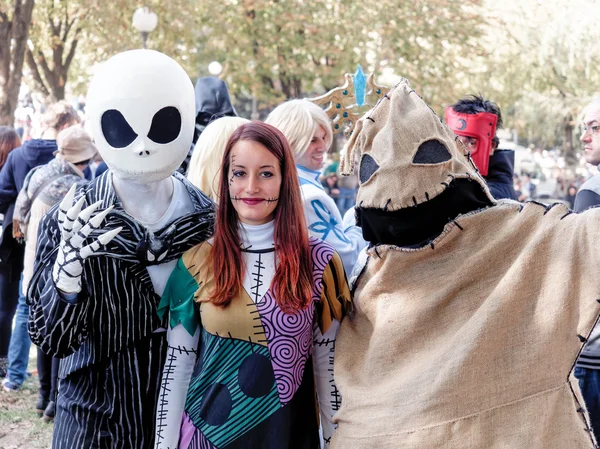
48 371
112 404
10 274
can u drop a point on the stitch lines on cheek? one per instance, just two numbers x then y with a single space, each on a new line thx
255 182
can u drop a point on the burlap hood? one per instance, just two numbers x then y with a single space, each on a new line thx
407 154
468 341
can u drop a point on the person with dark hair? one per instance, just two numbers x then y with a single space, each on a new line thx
475 120
19 162
9 140
587 369
571 195
589 192
265 301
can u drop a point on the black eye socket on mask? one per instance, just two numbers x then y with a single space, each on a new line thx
166 125
432 152
116 130
368 167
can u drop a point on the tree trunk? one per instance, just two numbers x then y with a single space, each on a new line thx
13 43
568 150
50 70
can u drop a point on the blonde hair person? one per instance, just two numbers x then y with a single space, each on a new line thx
308 131
299 120
207 156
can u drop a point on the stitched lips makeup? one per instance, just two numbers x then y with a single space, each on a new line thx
252 201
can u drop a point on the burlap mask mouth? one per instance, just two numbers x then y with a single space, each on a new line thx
407 154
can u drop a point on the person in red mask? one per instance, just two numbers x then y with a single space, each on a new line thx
474 120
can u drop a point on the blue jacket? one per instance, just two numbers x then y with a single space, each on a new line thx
20 160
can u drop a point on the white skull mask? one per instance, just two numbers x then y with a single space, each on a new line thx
141 110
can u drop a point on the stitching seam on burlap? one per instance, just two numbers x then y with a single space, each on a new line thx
462 418
449 178
588 427
447 229
579 410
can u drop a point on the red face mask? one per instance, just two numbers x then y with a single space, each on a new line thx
482 126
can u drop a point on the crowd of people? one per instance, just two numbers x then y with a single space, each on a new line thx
194 279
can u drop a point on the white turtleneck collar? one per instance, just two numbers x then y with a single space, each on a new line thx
257 237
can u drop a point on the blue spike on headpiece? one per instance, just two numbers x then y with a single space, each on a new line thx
360 85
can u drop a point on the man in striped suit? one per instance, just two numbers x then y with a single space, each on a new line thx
100 269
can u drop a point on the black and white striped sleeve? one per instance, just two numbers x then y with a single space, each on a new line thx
57 325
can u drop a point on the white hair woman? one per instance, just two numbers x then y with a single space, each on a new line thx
207 156
308 131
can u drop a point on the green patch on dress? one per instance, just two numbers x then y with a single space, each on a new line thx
178 299
232 390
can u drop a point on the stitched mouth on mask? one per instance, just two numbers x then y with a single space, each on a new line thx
165 167
417 226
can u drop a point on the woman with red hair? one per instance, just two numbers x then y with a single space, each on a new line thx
260 303
10 269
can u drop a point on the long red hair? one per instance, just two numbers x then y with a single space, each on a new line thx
9 140
292 283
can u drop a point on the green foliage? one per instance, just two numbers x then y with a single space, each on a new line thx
543 67
290 48
537 61
278 49
104 28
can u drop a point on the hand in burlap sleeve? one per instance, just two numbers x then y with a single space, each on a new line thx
75 227
329 312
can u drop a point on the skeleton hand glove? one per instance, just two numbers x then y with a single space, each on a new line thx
76 225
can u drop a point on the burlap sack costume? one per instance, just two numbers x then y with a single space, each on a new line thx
469 341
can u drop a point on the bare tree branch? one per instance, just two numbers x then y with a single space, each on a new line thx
66 21
71 54
68 28
48 74
37 78
51 19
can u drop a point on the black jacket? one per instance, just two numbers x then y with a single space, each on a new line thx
500 175
212 102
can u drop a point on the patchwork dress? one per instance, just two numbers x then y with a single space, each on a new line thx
254 382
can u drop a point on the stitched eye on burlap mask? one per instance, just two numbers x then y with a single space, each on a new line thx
368 167
166 125
432 152
117 131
